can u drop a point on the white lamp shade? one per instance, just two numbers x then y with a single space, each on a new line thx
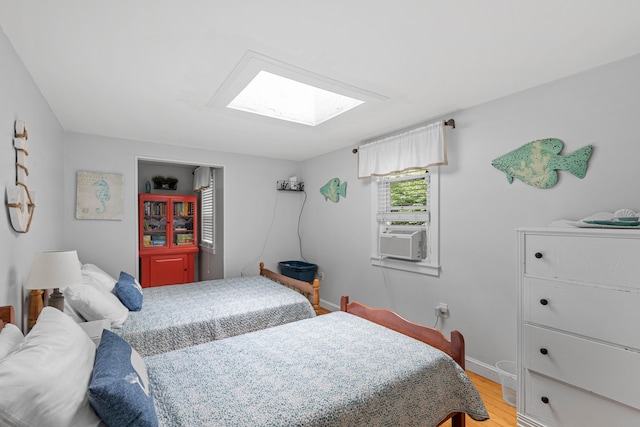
52 270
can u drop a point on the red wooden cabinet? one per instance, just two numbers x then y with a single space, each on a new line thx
168 239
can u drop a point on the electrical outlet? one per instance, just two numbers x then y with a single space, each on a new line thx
321 275
442 310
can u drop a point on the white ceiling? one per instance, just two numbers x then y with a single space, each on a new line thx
148 69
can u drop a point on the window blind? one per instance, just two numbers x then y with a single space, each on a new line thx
207 213
404 200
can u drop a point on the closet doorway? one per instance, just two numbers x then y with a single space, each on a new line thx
209 262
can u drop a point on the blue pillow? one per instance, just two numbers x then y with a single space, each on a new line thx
129 292
119 387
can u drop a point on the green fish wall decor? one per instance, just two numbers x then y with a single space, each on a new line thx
332 190
536 162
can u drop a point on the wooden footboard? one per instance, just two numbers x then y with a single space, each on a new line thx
431 336
305 287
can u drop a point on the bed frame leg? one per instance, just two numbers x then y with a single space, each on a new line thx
316 295
344 301
458 420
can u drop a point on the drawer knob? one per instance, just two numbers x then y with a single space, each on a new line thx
544 399
544 351
544 301
538 255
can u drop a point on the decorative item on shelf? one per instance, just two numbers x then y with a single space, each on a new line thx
20 201
332 190
164 183
158 182
289 185
171 182
293 182
147 187
536 162
622 218
56 270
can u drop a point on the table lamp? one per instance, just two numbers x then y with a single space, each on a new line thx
51 270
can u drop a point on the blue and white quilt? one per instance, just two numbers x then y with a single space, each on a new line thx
178 316
331 370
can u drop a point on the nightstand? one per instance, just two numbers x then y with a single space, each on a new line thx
94 329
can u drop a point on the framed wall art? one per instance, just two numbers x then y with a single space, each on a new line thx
99 196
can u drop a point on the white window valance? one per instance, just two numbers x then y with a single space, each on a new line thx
418 148
201 178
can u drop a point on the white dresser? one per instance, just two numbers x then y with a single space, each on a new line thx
578 327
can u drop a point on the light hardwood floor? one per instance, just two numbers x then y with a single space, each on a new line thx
501 414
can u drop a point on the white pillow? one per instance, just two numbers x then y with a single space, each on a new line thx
45 382
10 338
100 275
70 311
94 303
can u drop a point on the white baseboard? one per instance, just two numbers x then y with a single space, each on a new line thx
329 306
482 369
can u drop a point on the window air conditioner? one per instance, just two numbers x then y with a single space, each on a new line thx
404 244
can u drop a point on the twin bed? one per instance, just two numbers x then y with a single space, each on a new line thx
178 316
356 367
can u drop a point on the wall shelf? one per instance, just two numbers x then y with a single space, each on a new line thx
285 185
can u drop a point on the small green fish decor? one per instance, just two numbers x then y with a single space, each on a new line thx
332 190
536 162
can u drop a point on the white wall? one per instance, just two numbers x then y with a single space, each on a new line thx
480 210
257 217
21 100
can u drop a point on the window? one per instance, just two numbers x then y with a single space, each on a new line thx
207 214
403 200
282 98
407 205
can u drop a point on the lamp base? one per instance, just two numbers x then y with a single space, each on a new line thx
56 299
35 306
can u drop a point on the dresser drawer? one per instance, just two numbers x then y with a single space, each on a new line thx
603 313
571 407
597 260
612 372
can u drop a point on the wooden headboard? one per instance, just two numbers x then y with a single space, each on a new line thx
391 320
7 315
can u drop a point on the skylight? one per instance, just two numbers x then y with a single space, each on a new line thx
282 98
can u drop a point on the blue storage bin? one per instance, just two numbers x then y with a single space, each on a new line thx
298 270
